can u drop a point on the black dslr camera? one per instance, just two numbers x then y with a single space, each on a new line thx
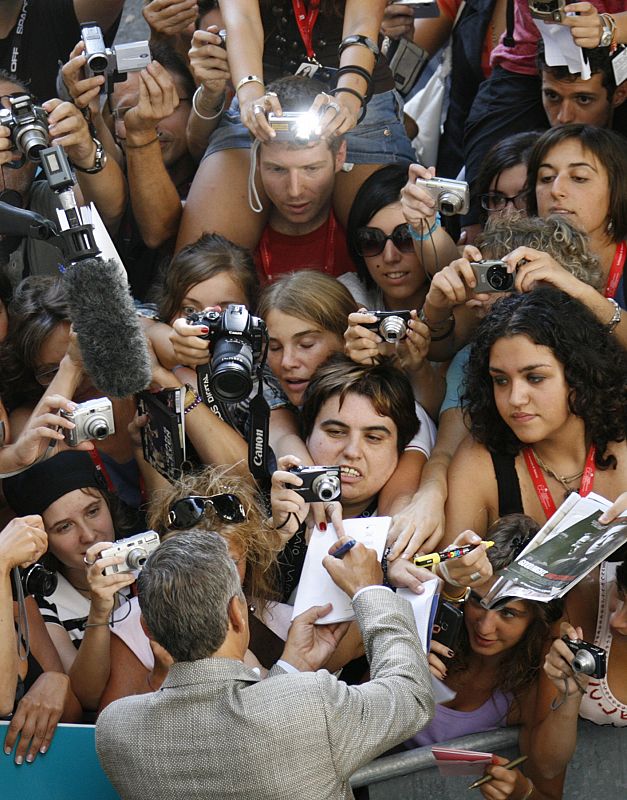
391 325
492 276
320 484
28 124
237 342
589 659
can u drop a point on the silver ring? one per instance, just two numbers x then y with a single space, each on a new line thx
271 94
89 563
258 109
474 576
334 106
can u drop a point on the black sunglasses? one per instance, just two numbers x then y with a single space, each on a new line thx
372 241
187 511
497 201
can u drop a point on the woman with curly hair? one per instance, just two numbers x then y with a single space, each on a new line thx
219 500
494 668
546 402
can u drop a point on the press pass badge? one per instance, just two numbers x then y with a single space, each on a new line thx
619 64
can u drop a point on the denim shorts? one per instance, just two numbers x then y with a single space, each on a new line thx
379 138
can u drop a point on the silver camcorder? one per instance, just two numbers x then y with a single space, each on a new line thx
113 62
451 197
28 124
492 276
547 10
135 551
301 127
93 420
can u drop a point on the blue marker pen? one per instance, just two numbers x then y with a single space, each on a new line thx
341 552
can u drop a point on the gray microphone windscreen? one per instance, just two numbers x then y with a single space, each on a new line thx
112 342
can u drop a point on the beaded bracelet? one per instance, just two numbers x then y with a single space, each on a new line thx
421 237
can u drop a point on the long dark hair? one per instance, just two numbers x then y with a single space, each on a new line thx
595 367
520 669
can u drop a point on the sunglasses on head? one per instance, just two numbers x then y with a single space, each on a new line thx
372 241
187 511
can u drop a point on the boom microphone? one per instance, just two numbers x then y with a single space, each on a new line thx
112 343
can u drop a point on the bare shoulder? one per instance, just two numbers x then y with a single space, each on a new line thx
472 490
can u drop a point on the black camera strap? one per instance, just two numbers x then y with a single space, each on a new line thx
17 39
205 390
259 434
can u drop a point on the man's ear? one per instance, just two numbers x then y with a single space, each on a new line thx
144 625
238 614
620 95
340 156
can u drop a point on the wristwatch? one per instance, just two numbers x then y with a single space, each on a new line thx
609 26
99 161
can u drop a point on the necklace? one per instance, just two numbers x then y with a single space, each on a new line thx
565 480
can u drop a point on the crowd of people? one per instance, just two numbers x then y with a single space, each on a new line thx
452 337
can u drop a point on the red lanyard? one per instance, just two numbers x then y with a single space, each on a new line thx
306 21
265 256
539 482
102 470
616 270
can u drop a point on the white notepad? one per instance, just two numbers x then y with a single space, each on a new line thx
316 586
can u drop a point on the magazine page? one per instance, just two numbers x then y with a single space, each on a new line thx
575 546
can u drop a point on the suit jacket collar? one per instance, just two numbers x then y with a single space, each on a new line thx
208 670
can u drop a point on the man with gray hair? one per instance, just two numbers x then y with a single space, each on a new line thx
215 730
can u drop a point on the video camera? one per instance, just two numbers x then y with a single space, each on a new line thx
112 62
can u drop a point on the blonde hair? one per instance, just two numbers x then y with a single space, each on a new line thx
312 296
255 537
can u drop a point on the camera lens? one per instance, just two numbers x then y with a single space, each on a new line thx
449 204
326 487
500 279
136 558
31 140
98 63
584 662
97 428
393 329
232 369
38 580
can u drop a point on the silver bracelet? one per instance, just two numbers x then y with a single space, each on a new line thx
202 116
611 325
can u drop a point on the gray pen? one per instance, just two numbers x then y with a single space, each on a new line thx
341 551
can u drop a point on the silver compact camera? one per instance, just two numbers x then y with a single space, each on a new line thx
390 325
547 10
113 62
589 659
135 551
492 276
320 484
451 197
28 124
93 420
301 127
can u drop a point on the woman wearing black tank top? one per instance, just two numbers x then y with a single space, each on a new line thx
546 399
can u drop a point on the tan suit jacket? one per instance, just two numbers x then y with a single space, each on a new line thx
215 731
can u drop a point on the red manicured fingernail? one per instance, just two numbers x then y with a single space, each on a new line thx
204 329
322 526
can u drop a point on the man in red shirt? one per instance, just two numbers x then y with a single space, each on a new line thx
298 179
